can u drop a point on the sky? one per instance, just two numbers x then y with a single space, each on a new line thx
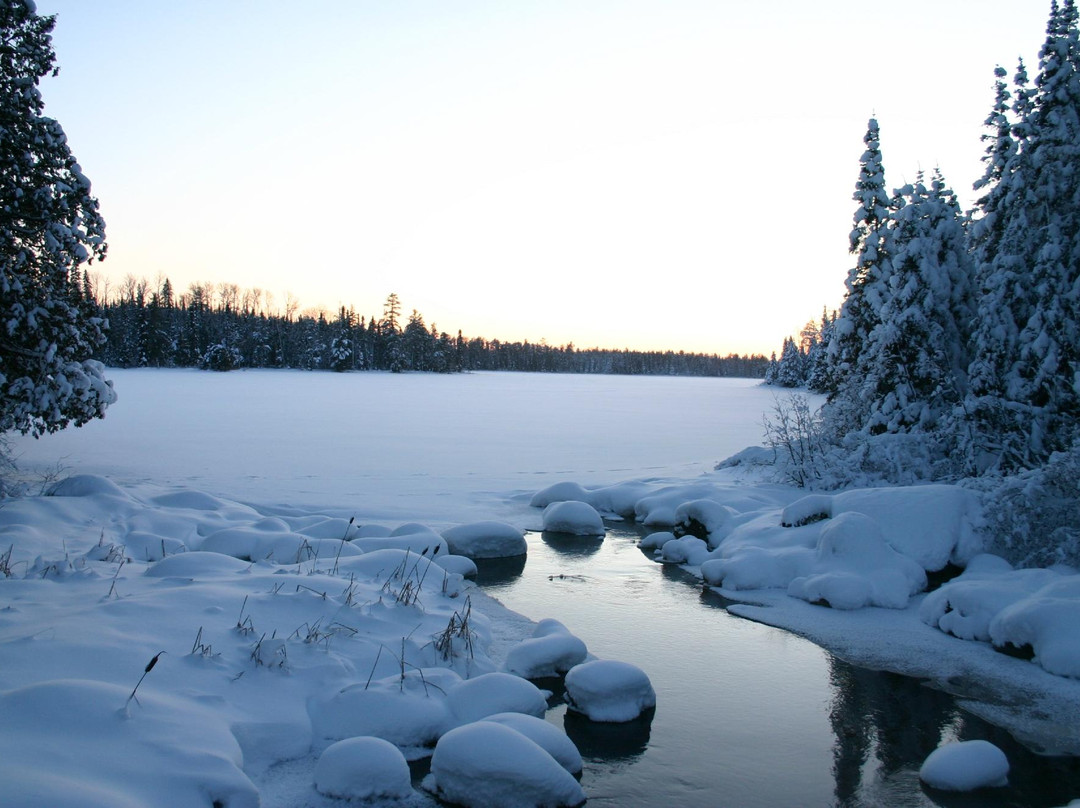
649 174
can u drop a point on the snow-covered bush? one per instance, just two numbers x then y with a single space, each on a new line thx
221 357
1033 518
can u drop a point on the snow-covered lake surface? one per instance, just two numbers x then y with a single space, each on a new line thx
746 714
438 449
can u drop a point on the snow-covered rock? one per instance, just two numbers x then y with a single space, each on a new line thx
965 766
491 693
687 550
854 567
545 735
559 492
462 565
551 651
576 518
706 519
1048 622
489 765
654 541
363 769
486 540
965 606
609 690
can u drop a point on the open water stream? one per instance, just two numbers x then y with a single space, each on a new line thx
747 715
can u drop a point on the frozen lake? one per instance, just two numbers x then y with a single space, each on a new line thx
432 448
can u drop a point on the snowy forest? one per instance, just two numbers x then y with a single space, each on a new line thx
955 352
221 327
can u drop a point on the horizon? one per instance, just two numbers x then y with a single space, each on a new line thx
622 174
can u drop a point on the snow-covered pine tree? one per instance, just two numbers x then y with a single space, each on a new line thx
1047 375
860 312
791 370
819 379
49 228
915 359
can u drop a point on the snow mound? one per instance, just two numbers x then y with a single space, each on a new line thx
608 690
404 712
329 528
486 540
462 565
87 485
811 508
758 568
1047 622
750 456
489 765
491 693
551 651
421 541
687 550
196 565
545 735
930 524
706 519
574 517
965 606
854 567
141 546
160 745
363 769
654 541
559 492
965 766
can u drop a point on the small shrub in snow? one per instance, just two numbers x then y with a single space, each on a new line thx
965 766
363 769
576 518
794 432
608 690
1033 517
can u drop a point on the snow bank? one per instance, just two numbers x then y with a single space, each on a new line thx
965 766
687 550
490 765
1047 622
157 746
854 567
573 517
486 540
608 690
363 769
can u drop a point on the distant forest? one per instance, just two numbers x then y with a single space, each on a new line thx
222 327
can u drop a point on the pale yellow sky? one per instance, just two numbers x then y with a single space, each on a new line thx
646 174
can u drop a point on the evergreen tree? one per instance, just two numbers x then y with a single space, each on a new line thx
49 228
915 359
869 241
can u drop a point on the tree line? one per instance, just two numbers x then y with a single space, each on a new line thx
221 327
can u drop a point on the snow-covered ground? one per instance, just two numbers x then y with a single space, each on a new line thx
209 525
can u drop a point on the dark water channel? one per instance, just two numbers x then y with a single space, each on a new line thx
746 715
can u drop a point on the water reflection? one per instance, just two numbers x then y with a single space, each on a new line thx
568 544
886 725
612 743
499 571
